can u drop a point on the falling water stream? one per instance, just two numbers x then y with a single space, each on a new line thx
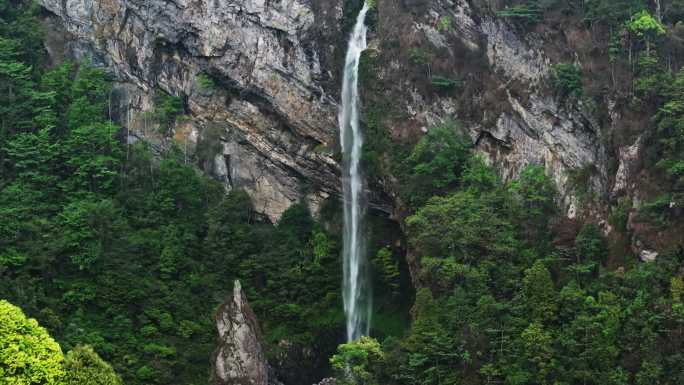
356 285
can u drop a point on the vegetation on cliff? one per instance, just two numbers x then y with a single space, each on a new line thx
123 254
109 244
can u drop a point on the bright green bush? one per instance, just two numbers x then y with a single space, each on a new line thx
645 27
28 355
355 362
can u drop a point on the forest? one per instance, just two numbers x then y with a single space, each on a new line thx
116 254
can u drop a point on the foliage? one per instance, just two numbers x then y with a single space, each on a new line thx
657 210
535 193
650 81
28 355
444 24
669 137
419 56
613 12
581 181
129 252
590 244
167 108
529 13
205 82
540 293
444 83
388 269
355 361
644 25
436 161
89 95
620 215
85 367
465 225
567 80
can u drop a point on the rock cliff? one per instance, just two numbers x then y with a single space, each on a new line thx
268 122
240 357
259 80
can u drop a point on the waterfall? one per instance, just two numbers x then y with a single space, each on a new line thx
356 285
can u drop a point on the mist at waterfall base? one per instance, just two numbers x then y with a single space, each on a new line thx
356 285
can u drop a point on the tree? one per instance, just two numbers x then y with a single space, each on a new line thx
466 225
534 196
437 161
590 244
538 352
85 367
669 138
567 79
93 157
167 108
540 294
28 355
612 12
356 361
645 27
388 269
16 90
89 95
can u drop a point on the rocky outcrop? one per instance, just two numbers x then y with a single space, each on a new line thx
240 358
265 106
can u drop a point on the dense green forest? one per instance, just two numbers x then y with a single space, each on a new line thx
129 251
124 253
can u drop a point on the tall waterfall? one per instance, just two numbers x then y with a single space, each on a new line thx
356 286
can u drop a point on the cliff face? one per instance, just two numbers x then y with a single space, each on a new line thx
266 120
269 123
272 116
504 100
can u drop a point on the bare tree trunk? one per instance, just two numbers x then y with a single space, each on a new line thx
658 11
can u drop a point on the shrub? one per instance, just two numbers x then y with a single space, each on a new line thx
645 27
28 355
438 159
355 361
444 83
85 367
444 24
419 56
590 244
205 82
167 108
619 216
567 80
529 13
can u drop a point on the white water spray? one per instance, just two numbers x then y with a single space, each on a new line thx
356 286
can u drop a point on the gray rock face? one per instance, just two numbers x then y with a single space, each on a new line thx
531 125
240 358
628 160
275 122
268 123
